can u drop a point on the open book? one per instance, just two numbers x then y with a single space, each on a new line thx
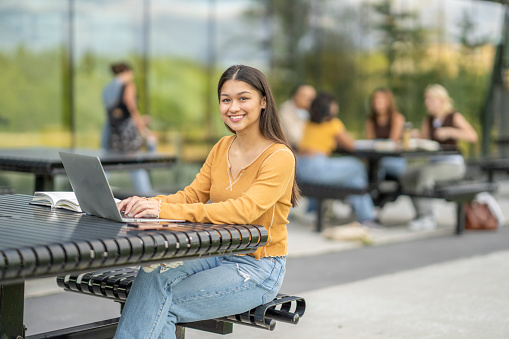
65 200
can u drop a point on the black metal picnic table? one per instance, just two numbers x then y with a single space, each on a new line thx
373 157
45 163
38 241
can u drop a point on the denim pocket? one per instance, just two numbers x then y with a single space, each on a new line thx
275 280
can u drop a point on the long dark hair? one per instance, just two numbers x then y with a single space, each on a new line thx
120 67
270 126
321 107
391 107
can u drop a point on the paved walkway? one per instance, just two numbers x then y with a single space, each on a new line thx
459 299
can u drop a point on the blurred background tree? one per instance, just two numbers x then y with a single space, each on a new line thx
179 48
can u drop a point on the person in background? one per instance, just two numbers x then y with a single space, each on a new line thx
322 135
385 122
446 126
125 129
294 113
249 177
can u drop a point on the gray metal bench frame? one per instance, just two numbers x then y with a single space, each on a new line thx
116 284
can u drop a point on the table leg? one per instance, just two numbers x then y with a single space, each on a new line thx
490 175
373 171
180 332
11 311
319 215
460 218
44 182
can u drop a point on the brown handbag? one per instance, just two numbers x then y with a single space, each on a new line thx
479 217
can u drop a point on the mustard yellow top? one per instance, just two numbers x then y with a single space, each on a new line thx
321 137
260 195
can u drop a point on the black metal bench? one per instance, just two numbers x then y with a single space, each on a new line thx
321 192
6 190
490 166
116 284
458 192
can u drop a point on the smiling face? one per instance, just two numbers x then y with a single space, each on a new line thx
240 105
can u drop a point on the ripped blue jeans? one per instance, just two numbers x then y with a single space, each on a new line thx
199 289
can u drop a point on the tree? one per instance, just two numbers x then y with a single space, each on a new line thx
401 38
403 41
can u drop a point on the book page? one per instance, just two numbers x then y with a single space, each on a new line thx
69 205
65 200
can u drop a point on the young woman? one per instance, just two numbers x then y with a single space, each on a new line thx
249 178
323 134
385 122
446 126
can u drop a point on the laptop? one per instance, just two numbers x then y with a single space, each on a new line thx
92 189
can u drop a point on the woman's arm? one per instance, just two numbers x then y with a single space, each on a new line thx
130 101
345 141
274 180
370 129
424 130
197 192
398 120
462 130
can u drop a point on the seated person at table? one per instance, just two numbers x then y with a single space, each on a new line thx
294 113
249 177
323 134
385 122
446 126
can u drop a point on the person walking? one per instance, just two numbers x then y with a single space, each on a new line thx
125 129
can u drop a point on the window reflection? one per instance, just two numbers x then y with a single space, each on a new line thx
179 47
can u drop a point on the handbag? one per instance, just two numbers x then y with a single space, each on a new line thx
478 216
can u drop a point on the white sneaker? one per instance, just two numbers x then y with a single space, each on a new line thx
425 223
308 218
340 210
298 212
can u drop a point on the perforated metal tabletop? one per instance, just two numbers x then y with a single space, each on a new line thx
45 163
38 241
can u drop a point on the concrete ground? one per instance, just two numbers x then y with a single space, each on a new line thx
398 284
465 298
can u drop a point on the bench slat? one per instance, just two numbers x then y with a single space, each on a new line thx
458 192
115 284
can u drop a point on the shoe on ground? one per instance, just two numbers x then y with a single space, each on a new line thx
425 223
299 211
352 231
340 210
308 218
372 224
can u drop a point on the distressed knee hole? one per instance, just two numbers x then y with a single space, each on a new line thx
164 266
243 274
